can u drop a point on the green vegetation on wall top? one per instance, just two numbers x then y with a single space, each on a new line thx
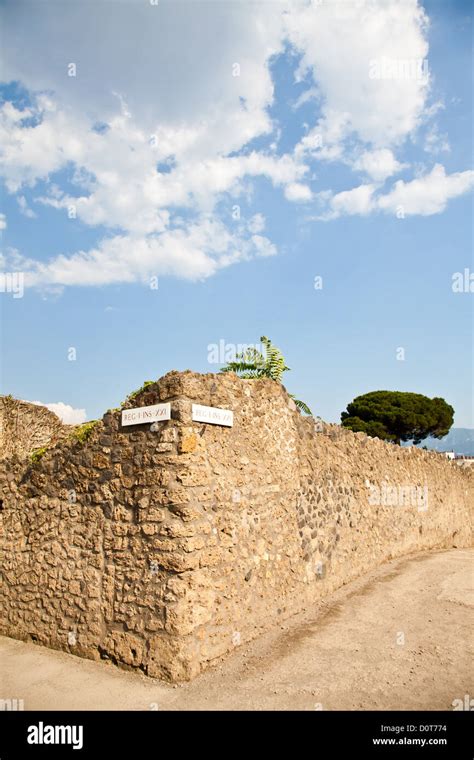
252 364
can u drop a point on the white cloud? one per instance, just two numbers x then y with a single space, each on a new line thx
310 94
338 41
428 194
378 164
295 191
24 208
117 171
263 246
191 99
194 252
68 414
181 72
157 133
325 141
257 223
3 222
359 200
436 142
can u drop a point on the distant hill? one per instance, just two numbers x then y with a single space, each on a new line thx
459 440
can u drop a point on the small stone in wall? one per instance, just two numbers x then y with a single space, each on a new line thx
188 444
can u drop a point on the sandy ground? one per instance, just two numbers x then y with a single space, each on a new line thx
346 653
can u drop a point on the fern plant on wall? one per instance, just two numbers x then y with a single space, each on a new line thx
252 364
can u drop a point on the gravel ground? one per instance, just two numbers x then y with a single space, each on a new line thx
399 638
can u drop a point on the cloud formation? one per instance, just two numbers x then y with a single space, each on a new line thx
155 144
68 414
426 195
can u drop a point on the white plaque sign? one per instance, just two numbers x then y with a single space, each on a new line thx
143 414
213 415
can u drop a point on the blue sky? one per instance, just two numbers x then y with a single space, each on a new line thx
363 181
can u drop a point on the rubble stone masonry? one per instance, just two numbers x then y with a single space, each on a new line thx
166 549
25 427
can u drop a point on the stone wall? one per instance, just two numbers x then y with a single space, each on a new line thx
25 427
165 550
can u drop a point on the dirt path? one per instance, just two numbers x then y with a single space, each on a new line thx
347 653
